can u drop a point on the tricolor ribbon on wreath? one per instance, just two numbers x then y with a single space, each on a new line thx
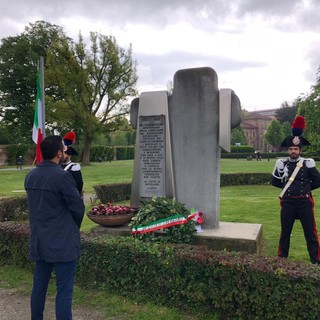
171 221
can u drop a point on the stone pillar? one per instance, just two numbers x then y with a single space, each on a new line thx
151 105
194 123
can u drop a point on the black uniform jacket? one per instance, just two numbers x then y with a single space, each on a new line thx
75 170
56 211
307 179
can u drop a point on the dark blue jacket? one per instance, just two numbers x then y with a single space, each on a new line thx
56 211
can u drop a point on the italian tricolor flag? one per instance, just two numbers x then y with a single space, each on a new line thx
38 122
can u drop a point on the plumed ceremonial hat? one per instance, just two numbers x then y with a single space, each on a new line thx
71 151
69 138
296 139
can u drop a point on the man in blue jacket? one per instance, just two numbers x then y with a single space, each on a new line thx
56 211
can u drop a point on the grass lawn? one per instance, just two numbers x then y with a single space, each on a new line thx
12 180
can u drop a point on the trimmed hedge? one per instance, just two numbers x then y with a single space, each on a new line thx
232 285
120 192
14 243
240 149
14 209
113 192
234 179
101 153
252 155
124 153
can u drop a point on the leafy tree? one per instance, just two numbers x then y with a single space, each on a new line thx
309 107
274 134
286 129
5 136
124 138
237 135
94 84
286 113
19 57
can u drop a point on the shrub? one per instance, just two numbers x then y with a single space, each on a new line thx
15 150
14 243
121 153
240 149
101 153
113 192
252 155
130 152
125 153
232 285
14 209
245 179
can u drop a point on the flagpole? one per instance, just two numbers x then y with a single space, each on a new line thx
42 94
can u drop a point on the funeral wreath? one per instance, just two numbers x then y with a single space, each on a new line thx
163 219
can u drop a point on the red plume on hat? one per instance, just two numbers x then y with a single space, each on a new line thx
297 127
69 138
296 139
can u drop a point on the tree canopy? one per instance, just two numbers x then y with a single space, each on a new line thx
19 57
87 89
286 113
238 136
274 134
309 107
95 85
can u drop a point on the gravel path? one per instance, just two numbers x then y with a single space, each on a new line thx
14 306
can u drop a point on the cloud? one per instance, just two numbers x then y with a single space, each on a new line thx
162 67
266 50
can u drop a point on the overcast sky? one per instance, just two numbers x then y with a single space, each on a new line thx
267 51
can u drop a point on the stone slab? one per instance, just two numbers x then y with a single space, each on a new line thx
230 236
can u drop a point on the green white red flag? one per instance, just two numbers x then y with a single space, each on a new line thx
38 132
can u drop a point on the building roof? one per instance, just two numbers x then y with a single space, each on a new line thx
247 125
258 115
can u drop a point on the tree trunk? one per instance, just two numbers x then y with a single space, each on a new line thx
86 150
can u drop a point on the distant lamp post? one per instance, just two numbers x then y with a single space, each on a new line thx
238 144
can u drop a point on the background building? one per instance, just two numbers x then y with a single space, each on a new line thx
254 125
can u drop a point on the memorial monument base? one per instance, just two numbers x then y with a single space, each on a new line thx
232 236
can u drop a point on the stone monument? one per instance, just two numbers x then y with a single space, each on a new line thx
179 138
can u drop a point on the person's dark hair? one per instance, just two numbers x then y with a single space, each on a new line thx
50 146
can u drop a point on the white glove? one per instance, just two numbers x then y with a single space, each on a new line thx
280 165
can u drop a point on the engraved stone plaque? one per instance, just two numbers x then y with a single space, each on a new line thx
152 155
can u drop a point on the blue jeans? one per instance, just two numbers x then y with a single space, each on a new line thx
65 274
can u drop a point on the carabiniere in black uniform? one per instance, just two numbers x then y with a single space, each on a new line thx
297 203
296 200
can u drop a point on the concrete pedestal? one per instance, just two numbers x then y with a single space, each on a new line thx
246 237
